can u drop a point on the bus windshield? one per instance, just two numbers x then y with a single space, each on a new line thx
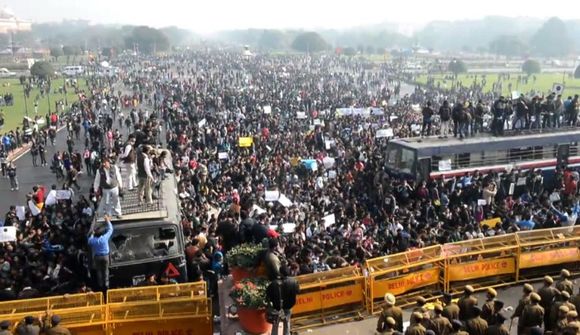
400 158
146 243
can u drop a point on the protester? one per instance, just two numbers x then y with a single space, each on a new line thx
99 244
281 295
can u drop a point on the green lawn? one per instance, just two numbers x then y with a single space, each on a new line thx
544 82
14 114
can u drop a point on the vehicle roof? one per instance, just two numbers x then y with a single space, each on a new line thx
164 209
438 146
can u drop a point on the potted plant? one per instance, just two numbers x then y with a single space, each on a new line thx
249 296
243 260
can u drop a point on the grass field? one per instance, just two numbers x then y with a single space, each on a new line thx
544 82
14 114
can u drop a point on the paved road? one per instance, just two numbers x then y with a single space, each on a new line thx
28 175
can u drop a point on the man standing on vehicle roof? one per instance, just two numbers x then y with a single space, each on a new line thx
129 157
99 243
145 176
108 180
499 111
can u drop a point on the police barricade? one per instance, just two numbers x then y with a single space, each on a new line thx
481 263
406 275
547 251
179 316
157 293
90 320
328 297
45 304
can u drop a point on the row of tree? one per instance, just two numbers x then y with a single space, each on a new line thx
529 67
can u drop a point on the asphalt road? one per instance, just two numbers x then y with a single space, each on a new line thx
29 176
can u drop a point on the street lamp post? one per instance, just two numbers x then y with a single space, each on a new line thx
25 100
48 97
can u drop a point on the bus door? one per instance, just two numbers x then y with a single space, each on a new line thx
424 168
563 154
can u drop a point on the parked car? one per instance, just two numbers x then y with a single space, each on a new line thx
4 73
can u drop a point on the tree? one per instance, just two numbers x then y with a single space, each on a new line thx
147 40
350 51
56 52
309 42
577 72
108 52
370 50
42 70
457 66
508 45
531 66
272 40
552 39
71 50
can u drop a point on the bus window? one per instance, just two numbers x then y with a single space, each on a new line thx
407 160
462 160
143 244
393 155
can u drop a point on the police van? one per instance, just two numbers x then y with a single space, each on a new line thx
73 71
147 239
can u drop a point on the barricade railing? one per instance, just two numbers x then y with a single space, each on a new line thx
329 297
482 263
406 275
50 303
171 316
157 293
543 252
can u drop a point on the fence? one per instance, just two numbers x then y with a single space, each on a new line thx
170 309
328 297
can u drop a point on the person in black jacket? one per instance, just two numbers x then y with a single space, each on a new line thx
281 294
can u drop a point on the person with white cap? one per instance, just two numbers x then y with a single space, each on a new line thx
390 310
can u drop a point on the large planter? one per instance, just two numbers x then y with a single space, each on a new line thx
240 273
254 321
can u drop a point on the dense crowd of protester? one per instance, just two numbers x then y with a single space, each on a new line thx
334 202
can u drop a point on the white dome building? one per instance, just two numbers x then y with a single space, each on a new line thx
10 23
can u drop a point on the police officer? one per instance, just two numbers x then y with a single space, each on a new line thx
390 310
416 328
524 301
547 293
389 327
441 325
56 328
458 328
575 300
573 326
561 300
476 325
564 284
488 309
451 309
5 328
499 327
420 305
562 321
466 303
532 315
28 327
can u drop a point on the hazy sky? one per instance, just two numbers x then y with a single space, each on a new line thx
213 15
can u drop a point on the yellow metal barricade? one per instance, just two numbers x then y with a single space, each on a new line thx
180 316
328 297
481 263
50 303
547 251
406 275
156 293
84 320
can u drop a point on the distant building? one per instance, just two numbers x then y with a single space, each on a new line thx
10 23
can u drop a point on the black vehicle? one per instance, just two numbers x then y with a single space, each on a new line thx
148 240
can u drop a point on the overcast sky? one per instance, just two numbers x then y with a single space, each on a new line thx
214 15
